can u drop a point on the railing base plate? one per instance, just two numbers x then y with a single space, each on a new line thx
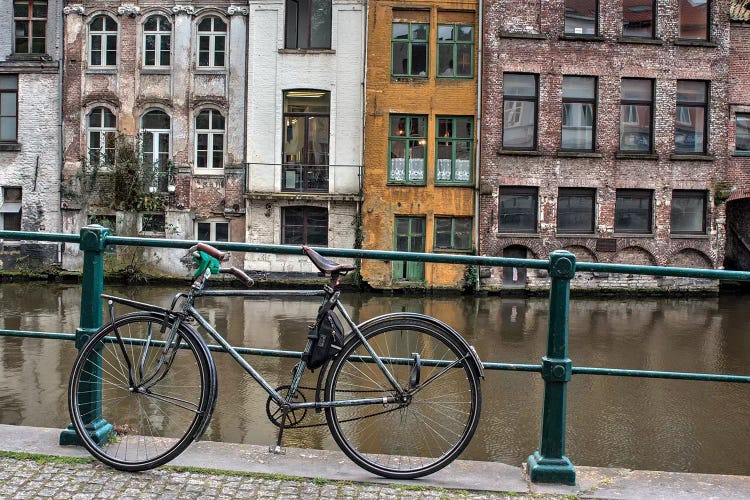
99 429
551 470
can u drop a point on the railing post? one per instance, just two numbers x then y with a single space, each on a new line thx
93 242
549 464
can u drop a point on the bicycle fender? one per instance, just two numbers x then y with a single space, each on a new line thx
432 321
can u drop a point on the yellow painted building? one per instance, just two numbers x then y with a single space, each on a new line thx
420 138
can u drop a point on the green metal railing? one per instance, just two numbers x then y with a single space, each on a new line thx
548 464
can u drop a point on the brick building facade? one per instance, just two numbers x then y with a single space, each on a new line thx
613 140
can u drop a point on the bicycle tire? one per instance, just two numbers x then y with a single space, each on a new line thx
140 430
414 439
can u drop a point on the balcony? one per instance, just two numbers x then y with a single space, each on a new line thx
304 178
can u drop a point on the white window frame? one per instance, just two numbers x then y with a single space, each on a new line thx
211 35
11 207
212 230
102 130
158 34
211 141
155 152
104 34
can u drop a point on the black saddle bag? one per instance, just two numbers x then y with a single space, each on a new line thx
326 336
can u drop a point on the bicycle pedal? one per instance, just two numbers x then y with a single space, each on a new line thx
276 450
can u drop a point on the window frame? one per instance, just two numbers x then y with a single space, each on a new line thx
287 27
106 38
407 139
453 220
518 191
210 141
653 23
688 104
515 98
212 223
580 100
638 102
680 35
159 216
159 183
686 194
212 35
29 20
640 194
305 223
17 212
15 79
745 117
104 132
577 192
454 140
410 42
596 22
455 43
158 35
306 174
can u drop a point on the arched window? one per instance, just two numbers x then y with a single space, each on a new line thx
157 41
212 36
209 139
102 129
103 41
155 146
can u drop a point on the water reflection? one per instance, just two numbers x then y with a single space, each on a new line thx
622 422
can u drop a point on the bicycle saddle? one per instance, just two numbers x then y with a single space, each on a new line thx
326 266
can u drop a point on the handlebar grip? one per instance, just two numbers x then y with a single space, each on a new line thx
213 252
240 275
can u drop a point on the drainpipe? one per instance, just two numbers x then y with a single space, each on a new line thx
366 20
478 127
61 149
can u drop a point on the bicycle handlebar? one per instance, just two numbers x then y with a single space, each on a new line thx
213 252
240 275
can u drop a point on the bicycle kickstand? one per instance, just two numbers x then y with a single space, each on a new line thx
277 449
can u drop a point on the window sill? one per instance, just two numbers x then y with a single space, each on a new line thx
409 79
688 157
685 236
210 71
454 184
639 40
695 43
579 154
466 251
207 171
405 184
156 71
741 154
447 78
307 51
636 156
29 57
10 146
518 152
517 235
581 38
633 235
577 235
152 234
111 70
519 34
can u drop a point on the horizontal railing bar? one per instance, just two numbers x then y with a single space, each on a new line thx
682 272
36 236
37 335
706 377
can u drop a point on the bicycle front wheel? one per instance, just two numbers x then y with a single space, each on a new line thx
439 411
133 407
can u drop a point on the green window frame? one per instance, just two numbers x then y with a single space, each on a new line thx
454 150
407 149
455 51
410 55
453 233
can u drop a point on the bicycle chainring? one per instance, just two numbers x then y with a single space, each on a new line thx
294 417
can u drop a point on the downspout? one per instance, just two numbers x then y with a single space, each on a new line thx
478 128
60 40
366 24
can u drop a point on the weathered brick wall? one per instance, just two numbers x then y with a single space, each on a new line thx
542 49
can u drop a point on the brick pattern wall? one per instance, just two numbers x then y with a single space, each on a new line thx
543 49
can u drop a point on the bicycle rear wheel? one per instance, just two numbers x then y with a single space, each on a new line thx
427 430
147 409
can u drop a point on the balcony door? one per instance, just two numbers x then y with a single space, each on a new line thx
306 131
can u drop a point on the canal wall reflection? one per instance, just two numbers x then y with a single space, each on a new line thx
612 421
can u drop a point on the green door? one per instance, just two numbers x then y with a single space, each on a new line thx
409 236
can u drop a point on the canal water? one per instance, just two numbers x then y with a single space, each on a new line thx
612 421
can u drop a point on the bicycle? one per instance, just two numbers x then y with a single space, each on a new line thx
401 394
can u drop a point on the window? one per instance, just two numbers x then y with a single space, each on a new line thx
694 19
455 58
638 18
409 236
209 140
102 133
11 209
407 141
578 112
690 124
308 24
453 233
8 108
103 41
636 106
212 231
688 212
742 133
157 36
409 49
307 116
155 144
575 210
212 36
633 211
581 17
30 17
153 223
518 209
455 139
304 226
519 111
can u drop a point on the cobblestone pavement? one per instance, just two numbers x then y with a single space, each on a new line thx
84 481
